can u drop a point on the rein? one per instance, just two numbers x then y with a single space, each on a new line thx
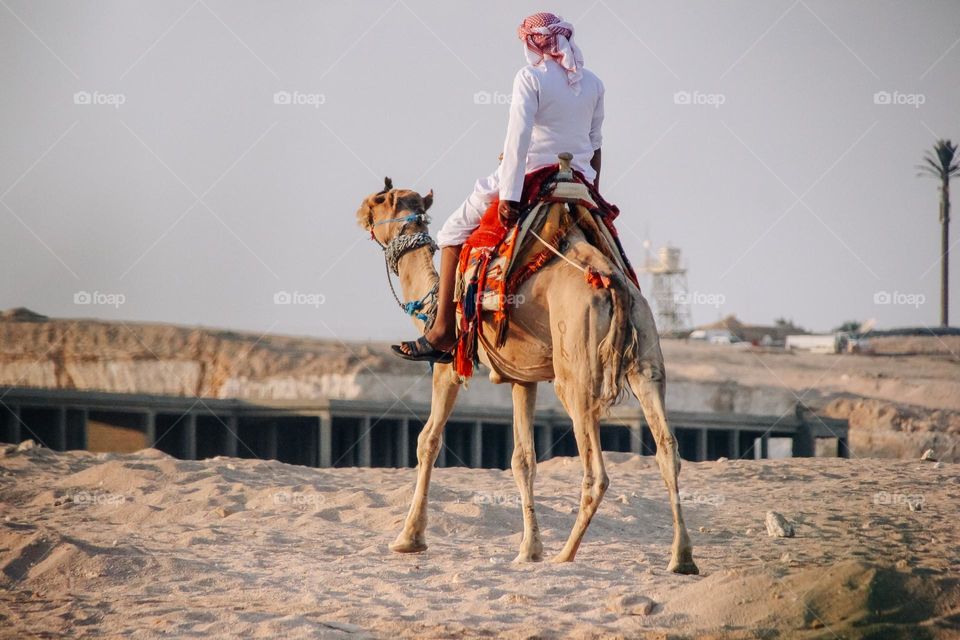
394 250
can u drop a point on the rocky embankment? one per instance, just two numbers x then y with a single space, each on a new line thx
898 405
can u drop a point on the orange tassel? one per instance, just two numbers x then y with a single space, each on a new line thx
597 279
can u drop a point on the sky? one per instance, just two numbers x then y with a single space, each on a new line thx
186 161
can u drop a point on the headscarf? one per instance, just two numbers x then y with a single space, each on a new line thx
546 35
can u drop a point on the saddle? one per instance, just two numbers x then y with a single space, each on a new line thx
495 261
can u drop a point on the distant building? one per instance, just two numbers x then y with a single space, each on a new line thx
753 333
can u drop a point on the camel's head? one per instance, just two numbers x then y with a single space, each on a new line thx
390 212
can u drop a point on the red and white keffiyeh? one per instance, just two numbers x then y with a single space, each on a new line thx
546 35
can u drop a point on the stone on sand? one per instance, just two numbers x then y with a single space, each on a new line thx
778 526
631 605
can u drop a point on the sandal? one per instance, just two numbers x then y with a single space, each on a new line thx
422 351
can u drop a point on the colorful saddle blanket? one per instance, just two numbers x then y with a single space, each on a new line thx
495 261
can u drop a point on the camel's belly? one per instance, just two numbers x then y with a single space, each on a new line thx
523 358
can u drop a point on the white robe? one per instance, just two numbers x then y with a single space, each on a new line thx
546 118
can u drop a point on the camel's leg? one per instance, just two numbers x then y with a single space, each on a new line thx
445 387
582 407
524 465
648 385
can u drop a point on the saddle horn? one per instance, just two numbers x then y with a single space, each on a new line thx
565 174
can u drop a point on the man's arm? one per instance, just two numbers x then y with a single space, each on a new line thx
595 163
523 107
596 135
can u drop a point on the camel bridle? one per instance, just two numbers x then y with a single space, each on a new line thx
395 249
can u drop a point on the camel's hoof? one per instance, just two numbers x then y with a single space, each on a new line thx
528 557
684 565
406 545
557 559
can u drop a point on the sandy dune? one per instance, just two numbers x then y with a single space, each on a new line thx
143 544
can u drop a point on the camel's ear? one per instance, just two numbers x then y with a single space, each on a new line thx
387 185
428 200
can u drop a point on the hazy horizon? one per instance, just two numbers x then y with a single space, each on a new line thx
156 151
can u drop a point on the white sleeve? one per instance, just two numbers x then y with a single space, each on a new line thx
523 108
596 136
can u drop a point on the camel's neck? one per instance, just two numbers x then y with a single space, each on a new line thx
417 277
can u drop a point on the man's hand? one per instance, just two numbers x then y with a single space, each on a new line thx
508 211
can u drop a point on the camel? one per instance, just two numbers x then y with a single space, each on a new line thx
588 341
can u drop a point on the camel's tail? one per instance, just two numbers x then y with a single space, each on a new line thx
621 343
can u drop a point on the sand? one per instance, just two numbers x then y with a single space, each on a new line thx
102 545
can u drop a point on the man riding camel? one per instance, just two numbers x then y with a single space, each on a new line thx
556 106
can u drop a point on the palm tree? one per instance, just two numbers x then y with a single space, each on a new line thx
943 164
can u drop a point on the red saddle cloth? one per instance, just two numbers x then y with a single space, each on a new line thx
491 231
491 240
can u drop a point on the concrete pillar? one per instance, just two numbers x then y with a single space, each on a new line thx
189 444
325 439
12 425
765 446
363 444
230 438
60 430
476 445
803 444
442 456
270 440
701 445
149 429
636 437
733 444
403 443
545 431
